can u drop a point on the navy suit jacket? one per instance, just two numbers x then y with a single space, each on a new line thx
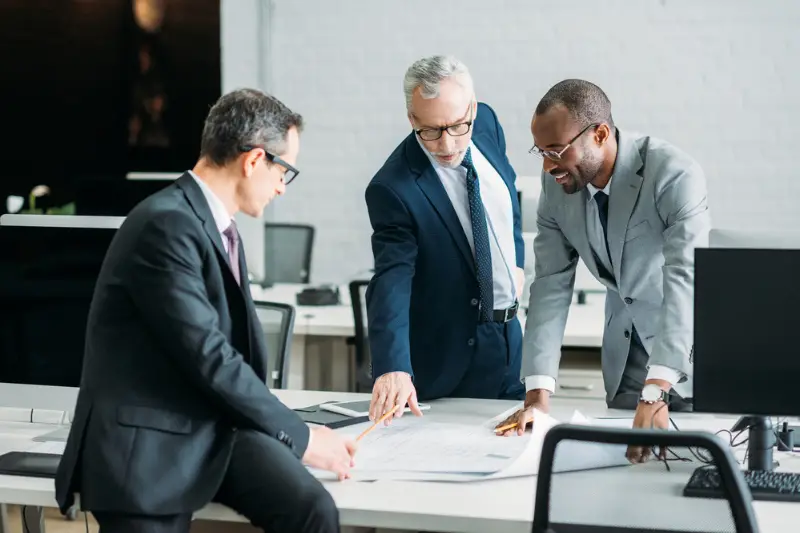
421 301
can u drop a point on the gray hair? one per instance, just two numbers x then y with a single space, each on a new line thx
428 72
246 118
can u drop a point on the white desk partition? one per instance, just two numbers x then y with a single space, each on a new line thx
61 221
153 176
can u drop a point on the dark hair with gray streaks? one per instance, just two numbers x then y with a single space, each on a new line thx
246 117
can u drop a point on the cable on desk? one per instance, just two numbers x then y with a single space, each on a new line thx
699 454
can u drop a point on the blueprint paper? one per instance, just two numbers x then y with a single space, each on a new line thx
421 450
414 445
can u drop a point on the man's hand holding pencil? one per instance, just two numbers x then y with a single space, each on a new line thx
518 422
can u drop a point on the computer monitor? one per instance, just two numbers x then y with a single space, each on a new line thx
746 306
48 269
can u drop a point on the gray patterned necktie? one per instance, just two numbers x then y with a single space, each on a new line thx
233 250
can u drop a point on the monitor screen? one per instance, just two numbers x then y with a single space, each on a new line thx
47 279
746 360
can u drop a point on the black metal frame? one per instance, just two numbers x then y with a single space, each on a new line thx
733 483
287 326
309 248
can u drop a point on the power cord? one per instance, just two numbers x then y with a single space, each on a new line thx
698 454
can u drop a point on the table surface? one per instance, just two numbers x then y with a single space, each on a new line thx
584 325
642 495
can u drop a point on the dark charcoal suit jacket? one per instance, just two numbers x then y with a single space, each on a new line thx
175 363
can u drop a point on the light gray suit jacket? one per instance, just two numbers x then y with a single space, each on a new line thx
657 216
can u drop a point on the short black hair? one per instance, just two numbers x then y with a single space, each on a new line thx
246 117
585 102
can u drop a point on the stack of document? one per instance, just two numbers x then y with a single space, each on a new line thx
432 450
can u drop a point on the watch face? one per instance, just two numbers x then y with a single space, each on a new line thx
651 393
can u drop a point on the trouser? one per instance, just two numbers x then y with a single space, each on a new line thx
265 483
494 372
633 378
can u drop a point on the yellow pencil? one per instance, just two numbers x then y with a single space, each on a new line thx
373 426
506 428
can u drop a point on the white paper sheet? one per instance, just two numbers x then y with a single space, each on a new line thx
573 455
424 450
414 445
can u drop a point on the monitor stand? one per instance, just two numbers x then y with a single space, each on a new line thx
760 441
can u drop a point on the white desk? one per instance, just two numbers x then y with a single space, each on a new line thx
499 506
320 333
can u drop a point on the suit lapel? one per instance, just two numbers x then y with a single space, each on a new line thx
200 206
625 187
430 184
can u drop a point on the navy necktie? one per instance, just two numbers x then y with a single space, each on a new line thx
480 237
601 199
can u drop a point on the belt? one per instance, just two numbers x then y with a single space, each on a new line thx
505 315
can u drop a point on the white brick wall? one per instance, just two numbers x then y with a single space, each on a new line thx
715 77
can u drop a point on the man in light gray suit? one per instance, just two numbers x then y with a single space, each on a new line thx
634 208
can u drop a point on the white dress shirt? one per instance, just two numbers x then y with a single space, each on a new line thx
499 217
218 210
594 231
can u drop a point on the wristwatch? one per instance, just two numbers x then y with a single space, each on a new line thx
652 393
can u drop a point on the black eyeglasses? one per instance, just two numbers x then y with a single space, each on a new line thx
455 130
290 173
552 154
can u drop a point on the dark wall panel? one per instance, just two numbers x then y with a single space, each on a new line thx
70 72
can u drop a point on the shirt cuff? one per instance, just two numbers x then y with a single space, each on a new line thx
540 382
664 372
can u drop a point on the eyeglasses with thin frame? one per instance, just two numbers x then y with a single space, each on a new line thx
291 172
556 156
454 130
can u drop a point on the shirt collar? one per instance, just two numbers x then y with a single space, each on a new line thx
221 217
593 190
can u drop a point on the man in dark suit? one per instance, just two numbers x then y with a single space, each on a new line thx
448 249
173 410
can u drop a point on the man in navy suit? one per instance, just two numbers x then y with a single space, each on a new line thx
448 250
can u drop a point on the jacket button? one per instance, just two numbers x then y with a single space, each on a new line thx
474 302
628 301
471 342
627 334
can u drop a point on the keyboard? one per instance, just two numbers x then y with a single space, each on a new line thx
769 486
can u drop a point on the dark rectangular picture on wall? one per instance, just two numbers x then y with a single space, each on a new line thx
102 88
174 73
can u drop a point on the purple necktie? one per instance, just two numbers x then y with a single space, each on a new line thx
233 249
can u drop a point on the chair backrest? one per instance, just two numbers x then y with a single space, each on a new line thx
736 490
358 301
287 253
277 321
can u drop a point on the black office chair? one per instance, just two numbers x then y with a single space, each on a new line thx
363 362
738 495
277 320
287 253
